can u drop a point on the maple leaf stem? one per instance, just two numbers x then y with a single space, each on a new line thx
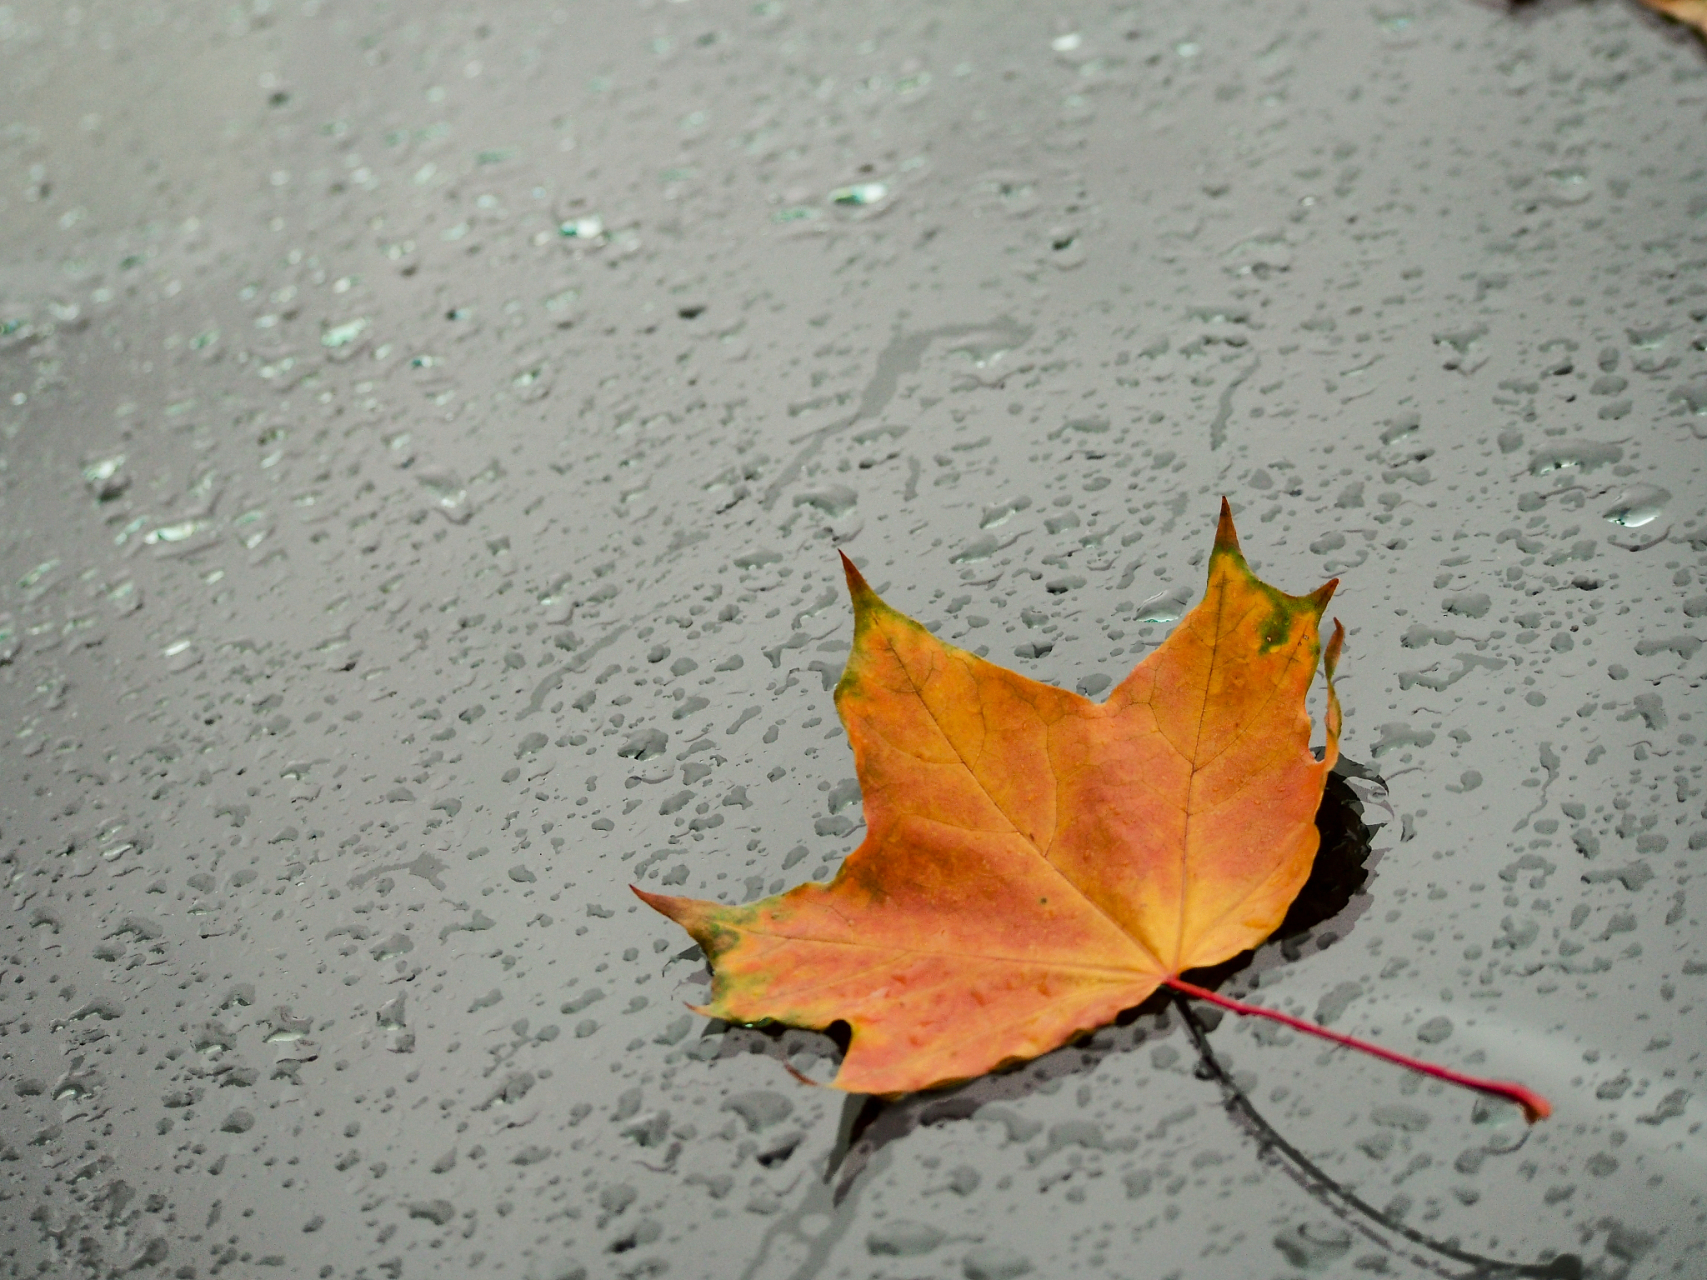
1535 1107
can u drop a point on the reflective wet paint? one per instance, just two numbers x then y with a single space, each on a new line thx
427 435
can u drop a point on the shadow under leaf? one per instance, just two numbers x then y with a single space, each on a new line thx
1329 905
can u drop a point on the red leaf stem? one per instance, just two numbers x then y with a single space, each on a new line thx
1535 1107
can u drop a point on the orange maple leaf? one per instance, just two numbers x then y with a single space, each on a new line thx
1034 862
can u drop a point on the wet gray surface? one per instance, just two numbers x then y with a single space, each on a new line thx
427 435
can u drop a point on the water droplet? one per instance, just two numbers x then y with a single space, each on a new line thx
342 335
1693 397
904 1239
1468 604
1637 505
1165 606
993 1262
105 477
452 498
860 193
1090 686
1583 454
181 655
590 227
833 500
174 532
977 549
1435 1030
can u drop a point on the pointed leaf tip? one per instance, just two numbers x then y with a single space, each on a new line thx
678 909
1226 537
1321 595
858 588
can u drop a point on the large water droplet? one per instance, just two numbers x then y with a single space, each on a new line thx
1638 505
833 500
1165 606
1584 454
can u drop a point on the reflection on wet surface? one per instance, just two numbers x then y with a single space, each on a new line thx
427 435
